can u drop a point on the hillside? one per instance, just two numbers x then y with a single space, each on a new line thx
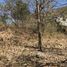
19 45
62 11
14 47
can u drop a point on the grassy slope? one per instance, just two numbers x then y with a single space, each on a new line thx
14 47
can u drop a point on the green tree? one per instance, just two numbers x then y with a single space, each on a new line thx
18 9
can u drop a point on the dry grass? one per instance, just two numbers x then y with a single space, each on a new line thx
23 45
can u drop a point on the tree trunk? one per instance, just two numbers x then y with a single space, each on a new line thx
39 38
38 25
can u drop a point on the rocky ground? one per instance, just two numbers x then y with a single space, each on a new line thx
21 50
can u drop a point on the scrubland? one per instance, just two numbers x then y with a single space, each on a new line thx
20 49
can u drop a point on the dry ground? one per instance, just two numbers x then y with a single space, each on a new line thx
13 48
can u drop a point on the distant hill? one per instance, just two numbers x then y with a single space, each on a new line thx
62 11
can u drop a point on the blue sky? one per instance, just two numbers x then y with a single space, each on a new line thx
60 1
1 1
31 8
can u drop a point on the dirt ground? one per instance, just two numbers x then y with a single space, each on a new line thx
13 46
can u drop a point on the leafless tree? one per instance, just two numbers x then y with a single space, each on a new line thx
43 7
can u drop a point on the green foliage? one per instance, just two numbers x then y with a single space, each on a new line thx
3 19
20 10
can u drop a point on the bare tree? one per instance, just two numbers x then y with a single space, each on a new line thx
42 7
38 25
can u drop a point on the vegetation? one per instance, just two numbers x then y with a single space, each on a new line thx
33 40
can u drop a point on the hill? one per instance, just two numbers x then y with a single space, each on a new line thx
62 11
18 46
